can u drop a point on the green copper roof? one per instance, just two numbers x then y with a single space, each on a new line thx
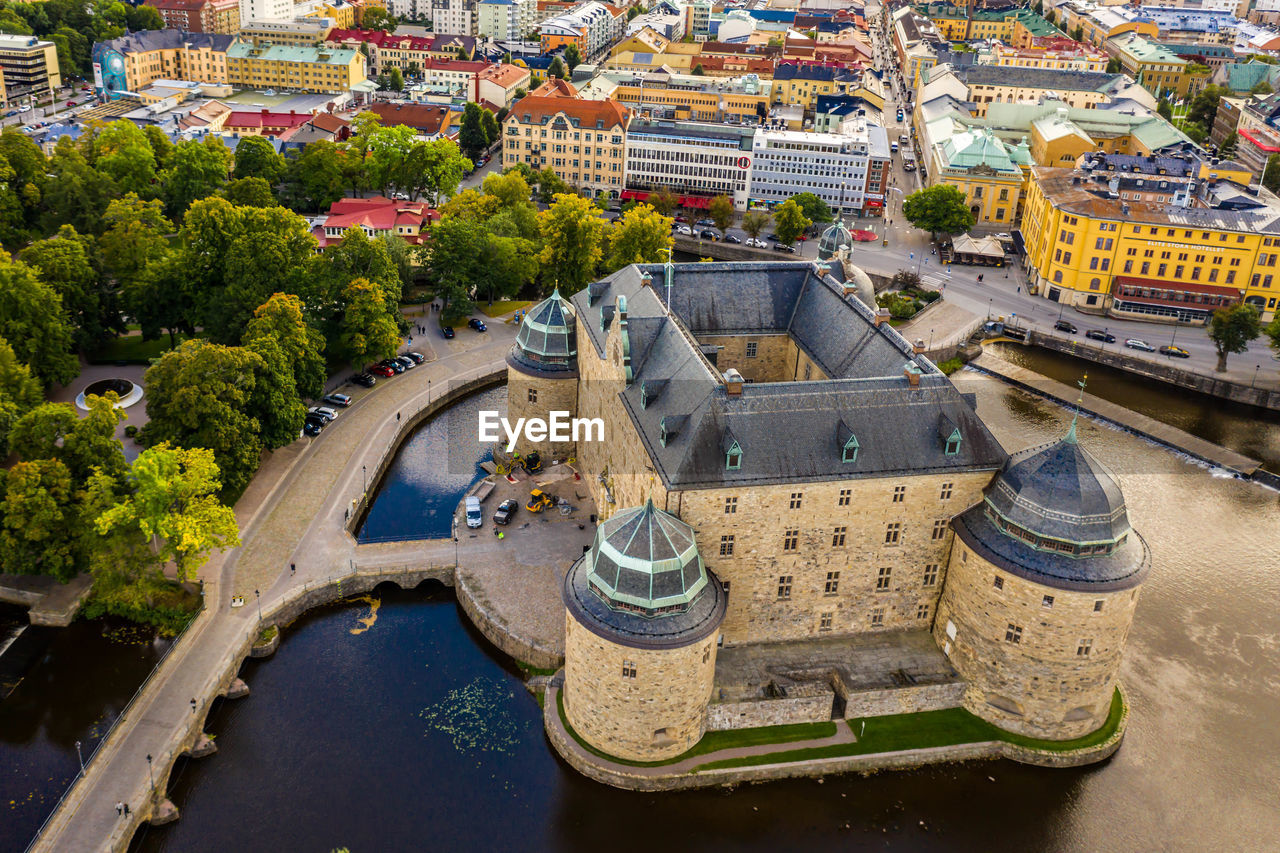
547 339
645 560
974 148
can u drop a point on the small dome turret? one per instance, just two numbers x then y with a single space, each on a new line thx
646 560
547 340
833 240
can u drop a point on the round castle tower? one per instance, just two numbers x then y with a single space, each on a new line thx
1041 587
542 372
643 616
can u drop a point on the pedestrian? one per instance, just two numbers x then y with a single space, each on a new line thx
1019 288
119 809
293 568
397 416
979 276
126 809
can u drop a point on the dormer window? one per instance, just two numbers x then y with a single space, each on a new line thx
953 443
849 453
733 457
949 433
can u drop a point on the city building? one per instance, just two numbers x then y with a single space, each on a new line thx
293 32
801 84
498 84
264 122
301 69
1141 243
506 20
1057 53
376 217
1157 68
133 62
788 483
429 121
696 161
834 167
993 84
29 67
696 97
455 16
199 16
584 142
266 10
591 26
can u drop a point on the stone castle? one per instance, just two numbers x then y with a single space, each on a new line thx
803 519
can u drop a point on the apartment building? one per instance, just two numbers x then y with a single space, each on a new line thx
132 62
800 84
498 84
293 32
266 10
834 167
1157 68
695 160
584 142
199 16
506 20
306 69
29 67
685 97
592 26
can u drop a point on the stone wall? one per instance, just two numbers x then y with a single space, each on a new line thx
535 397
777 357
903 700
497 631
1041 685
804 703
636 704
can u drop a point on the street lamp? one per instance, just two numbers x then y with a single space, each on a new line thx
152 776
989 308
365 470
930 347
80 756
1251 381
258 598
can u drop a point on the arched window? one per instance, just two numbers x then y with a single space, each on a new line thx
1057 277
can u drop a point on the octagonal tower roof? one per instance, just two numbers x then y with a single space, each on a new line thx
833 239
646 559
547 340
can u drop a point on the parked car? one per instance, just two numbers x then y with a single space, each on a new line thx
312 427
1176 352
709 235
409 364
71 103
1134 343
339 400
778 247
893 147
729 238
1064 326
323 411
474 517
899 115
1100 335
366 380
757 242
418 358
395 366
705 223
447 331
382 370
506 510
680 218
685 230
477 324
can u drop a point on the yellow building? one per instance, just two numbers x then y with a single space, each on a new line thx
646 40
1081 58
135 61
1158 69
30 69
302 32
700 105
800 85
991 173
305 69
1144 245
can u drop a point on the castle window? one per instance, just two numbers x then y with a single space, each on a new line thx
953 446
899 494
883 577
1097 606
922 611
1013 633
726 546
999 583
846 495
790 540
833 583
752 346
796 498
849 452
1082 650
628 669
1047 602
945 494
784 587
730 505
733 457
706 653
892 533
877 617
837 537
533 395
931 574
824 622
939 529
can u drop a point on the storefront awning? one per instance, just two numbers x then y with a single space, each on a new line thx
1189 295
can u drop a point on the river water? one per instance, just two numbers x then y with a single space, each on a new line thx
411 734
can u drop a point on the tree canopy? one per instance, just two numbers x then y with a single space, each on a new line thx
1231 329
572 241
939 209
642 236
789 221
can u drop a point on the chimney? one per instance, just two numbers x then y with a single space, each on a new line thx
918 346
882 316
912 372
733 382
646 280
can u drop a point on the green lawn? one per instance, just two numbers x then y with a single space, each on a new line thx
133 349
497 309
922 731
714 741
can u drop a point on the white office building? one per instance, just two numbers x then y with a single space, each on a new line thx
454 17
832 167
694 160
266 10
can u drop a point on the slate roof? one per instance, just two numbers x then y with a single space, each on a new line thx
787 430
1051 79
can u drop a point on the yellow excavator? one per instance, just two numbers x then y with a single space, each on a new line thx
539 500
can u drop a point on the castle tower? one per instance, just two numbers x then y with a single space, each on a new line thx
542 372
1040 591
643 616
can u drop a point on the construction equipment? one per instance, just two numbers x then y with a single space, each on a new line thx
531 462
539 500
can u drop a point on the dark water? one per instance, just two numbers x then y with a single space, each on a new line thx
431 471
72 683
1244 429
412 734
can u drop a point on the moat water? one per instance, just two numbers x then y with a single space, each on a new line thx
414 734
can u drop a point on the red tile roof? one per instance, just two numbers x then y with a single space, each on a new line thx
265 118
604 113
426 119
376 214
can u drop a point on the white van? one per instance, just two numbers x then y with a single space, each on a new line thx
474 516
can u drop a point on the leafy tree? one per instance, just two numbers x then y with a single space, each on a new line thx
754 222
249 192
572 56
1262 87
275 402
939 209
642 236
492 132
144 18
256 158
54 431
75 193
19 392
1229 142
366 332
395 79
356 256
720 209
904 280
1272 331
34 323
814 208
135 236
664 201
698 70
572 241
511 189
25 171
455 262
161 146
472 205
125 155
1204 106
201 395
374 18
1165 109
38 521
196 170
557 69
1231 329
471 136
463 54
314 178
550 185
1114 66
1271 174
789 221
433 170
281 319
162 299
65 262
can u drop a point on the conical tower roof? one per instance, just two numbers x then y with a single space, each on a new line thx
647 559
547 340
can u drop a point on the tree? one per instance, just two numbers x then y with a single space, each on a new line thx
814 208
572 241
395 79
1078 34
1271 174
434 170
572 56
1231 329
366 332
556 69
34 323
54 431
939 209
1262 87
38 521
472 205
1114 66
463 54
698 70
1165 109
313 178
664 201
162 299
249 192
19 392
161 146
492 132
471 136
126 156
256 158
65 262
1272 331
455 263
753 222
200 395
511 189
550 185
789 222
1203 108
135 236
75 193
374 18
275 402
720 209
642 236
1229 142
144 18
196 170
356 256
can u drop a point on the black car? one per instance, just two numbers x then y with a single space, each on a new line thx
392 364
729 238
418 358
447 331
778 247
709 235
366 380
312 428
477 324
705 223
506 510
1099 335
1064 326
1176 352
